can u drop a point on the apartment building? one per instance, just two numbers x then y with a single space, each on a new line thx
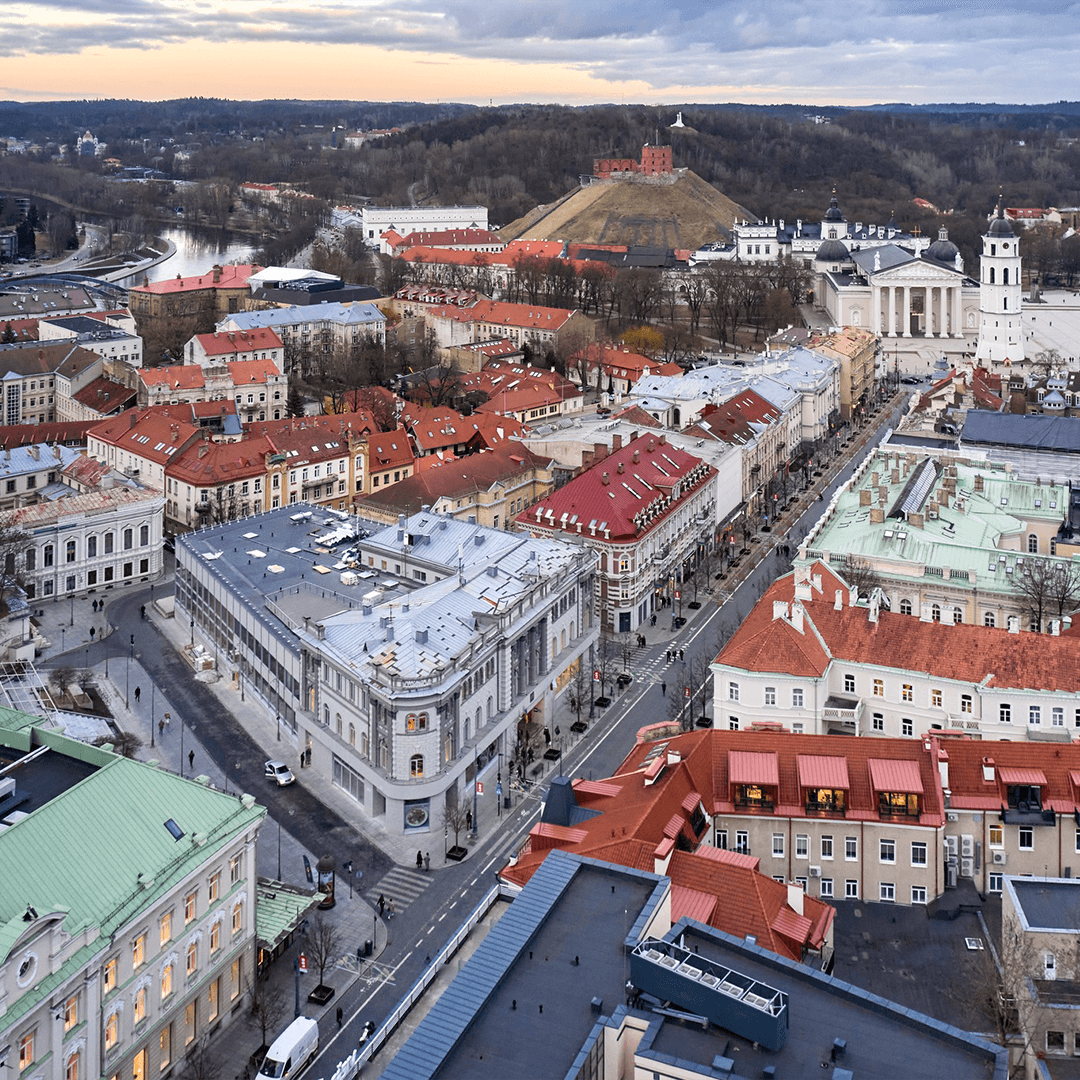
813 659
136 938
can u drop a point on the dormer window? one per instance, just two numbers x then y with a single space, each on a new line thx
824 783
754 779
898 785
1023 788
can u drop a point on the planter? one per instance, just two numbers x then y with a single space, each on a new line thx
321 994
602 702
457 853
258 1057
694 605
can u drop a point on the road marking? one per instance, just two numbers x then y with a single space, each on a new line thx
441 917
387 979
490 861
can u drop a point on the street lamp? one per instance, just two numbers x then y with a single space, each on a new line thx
127 680
72 623
192 631
279 727
152 712
62 629
475 786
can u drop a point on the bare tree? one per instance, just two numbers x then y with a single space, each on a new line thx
125 743
13 542
455 817
579 687
605 657
204 1062
860 575
323 944
1047 587
267 1004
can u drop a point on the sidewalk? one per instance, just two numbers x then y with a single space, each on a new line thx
279 856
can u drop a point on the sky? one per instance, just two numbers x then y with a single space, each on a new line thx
570 51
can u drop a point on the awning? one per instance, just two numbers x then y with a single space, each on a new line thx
746 767
823 772
1022 776
899 776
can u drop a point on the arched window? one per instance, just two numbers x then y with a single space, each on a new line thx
479 720
71 1072
337 722
905 607
989 620
69 551
1033 544
935 612
47 556
991 275
1005 276
957 616
326 715
490 707
416 766
352 734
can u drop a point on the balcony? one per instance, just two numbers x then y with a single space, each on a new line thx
843 713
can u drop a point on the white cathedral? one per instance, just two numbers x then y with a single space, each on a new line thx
896 290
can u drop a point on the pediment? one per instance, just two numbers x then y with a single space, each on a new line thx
916 272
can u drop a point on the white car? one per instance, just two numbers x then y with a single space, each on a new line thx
280 773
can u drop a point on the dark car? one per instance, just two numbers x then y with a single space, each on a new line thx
623 679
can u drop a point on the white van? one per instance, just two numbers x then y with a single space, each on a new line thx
291 1051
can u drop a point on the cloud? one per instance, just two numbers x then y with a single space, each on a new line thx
725 49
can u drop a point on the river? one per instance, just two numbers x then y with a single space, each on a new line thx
197 250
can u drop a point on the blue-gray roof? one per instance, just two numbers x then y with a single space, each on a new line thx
357 314
1033 431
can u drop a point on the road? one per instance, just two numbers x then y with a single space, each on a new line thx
422 929
419 931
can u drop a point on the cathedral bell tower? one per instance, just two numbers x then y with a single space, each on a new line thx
1001 334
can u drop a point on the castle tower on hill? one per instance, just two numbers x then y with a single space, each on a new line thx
1001 335
655 161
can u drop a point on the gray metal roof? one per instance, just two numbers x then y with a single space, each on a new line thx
1058 433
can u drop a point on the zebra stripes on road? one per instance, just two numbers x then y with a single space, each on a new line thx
400 885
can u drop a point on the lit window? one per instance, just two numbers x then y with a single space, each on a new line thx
996 836
140 1005
166 928
109 976
965 703
416 766
192 958
215 937
112 1031
26 1050
189 906
906 693
166 981
879 688
138 951
214 887
237 918
71 1012
935 698
71 1071
234 869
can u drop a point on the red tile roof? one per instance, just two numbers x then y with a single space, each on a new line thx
618 493
208 464
753 768
961 652
823 772
231 342
105 395
231 277
887 774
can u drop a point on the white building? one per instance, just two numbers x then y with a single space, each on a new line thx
115 965
107 336
1001 333
401 666
375 220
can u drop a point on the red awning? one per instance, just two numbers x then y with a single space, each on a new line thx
900 776
823 772
747 767
1022 776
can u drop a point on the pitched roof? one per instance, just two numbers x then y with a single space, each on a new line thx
230 342
145 433
105 395
234 276
624 495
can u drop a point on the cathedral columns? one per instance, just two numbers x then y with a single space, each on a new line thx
892 311
905 314
875 309
958 313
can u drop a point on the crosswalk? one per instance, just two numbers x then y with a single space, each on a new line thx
401 885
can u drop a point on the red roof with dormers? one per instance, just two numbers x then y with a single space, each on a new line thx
624 495
389 450
23 329
1053 767
635 824
175 376
147 433
105 395
619 362
208 464
230 342
231 277
445 238
979 655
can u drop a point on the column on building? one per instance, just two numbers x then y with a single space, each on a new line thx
958 312
905 314
542 643
892 311
875 308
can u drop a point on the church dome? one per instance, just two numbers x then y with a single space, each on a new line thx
833 213
1000 226
942 249
832 251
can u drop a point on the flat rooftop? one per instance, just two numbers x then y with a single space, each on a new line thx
1047 903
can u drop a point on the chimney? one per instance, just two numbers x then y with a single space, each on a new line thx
637 456
865 496
616 443
779 609
874 606
217 273
797 616
1014 624
988 770
795 898
605 479
838 605
943 767
1055 627
978 482
621 469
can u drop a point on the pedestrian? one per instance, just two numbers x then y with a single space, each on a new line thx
138 692
468 819
390 908
160 728
653 621
680 654
340 1015
427 860
191 759
382 904
663 689
419 860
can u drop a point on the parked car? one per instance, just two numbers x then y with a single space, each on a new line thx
623 679
280 773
